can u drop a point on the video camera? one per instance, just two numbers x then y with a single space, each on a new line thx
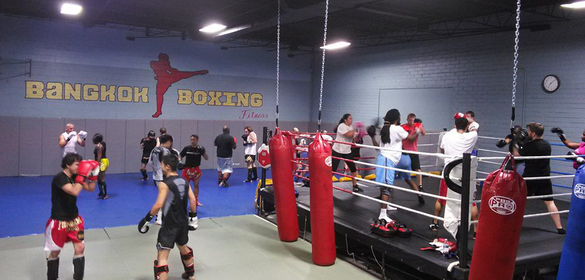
518 137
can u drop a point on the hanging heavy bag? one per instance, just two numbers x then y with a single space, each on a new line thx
284 192
500 222
322 225
573 255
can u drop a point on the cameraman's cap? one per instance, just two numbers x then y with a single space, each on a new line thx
459 115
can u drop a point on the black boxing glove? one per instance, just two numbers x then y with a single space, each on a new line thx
201 149
143 224
579 160
501 144
245 137
559 133
417 120
371 130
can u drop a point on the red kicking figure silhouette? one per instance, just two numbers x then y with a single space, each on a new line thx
166 76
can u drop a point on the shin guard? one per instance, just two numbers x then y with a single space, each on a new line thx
78 267
189 269
53 269
159 269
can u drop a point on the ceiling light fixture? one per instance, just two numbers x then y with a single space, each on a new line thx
574 5
213 28
336 45
70 9
233 29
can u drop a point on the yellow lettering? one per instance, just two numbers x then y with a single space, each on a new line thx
243 99
184 97
229 98
70 92
125 94
54 91
200 97
141 94
108 93
256 100
34 89
214 98
90 92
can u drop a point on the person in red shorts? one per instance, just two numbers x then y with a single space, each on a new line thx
191 156
65 224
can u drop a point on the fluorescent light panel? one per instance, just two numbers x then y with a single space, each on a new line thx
574 5
70 9
232 30
336 45
213 28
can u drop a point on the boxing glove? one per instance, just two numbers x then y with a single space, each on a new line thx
82 134
193 224
417 120
245 137
371 131
143 224
95 170
201 149
501 143
71 135
559 133
235 140
85 167
579 160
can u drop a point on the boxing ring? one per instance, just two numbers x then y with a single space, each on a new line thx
402 258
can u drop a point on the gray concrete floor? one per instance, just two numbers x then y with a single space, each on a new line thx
239 247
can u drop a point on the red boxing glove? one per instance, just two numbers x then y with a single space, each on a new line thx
95 170
85 167
235 140
459 115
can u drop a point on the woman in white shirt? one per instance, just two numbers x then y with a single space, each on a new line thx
345 133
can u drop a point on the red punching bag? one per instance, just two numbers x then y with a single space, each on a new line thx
322 231
284 191
500 222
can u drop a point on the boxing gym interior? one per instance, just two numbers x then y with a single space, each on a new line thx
292 139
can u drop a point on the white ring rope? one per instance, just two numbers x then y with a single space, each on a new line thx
408 190
527 157
488 137
398 169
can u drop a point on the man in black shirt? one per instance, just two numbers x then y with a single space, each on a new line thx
538 168
225 144
191 155
173 195
146 144
65 224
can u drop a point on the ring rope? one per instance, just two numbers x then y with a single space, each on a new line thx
390 168
527 157
323 64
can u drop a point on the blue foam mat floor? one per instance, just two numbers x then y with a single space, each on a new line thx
25 202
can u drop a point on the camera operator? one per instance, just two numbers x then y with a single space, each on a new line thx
536 146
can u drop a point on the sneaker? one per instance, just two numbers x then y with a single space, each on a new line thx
434 227
357 189
144 179
561 231
248 181
390 208
221 184
105 197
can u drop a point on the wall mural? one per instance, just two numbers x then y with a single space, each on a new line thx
165 76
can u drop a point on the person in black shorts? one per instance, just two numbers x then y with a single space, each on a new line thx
146 144
538 168
99 153
225 166
174 194
345 133
191 156
65 224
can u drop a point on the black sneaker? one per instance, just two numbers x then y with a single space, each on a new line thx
434 227
561 231
357 189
